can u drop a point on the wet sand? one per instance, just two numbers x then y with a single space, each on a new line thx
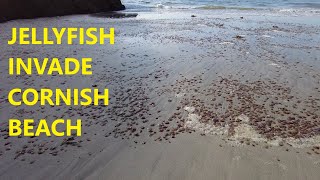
194 94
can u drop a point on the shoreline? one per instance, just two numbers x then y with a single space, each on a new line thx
191 98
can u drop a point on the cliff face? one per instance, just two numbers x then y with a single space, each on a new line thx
24 9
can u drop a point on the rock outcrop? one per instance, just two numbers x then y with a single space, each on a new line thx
25 9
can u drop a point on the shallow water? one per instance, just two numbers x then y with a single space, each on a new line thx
283 8
223 3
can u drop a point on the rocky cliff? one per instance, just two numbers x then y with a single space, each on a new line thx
24 9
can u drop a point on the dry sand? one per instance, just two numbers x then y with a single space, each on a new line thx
207 97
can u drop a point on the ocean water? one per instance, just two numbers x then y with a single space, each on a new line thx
223 4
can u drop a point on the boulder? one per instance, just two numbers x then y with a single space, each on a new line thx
26 9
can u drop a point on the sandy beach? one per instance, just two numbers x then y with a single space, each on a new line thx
194 94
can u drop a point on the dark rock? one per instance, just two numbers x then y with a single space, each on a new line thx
26 9
115 15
